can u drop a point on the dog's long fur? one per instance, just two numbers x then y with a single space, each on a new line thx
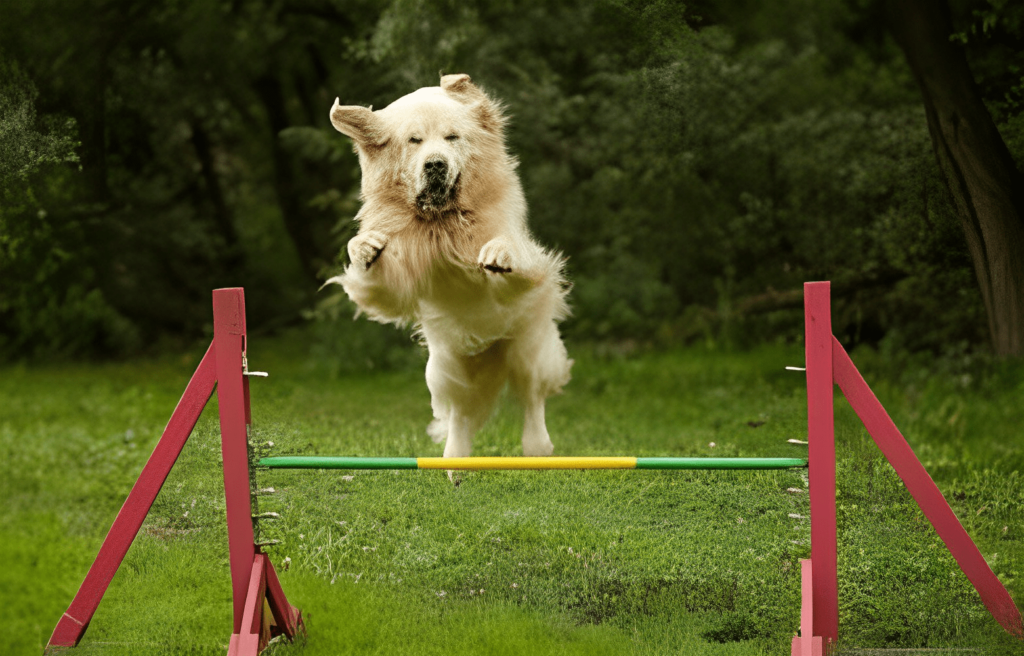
443 244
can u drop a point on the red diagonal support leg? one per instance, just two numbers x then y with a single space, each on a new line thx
821 458
287 618
229 340
126 526
927 495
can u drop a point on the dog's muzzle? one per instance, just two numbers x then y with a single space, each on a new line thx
438 192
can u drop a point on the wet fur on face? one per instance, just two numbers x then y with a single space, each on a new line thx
443 244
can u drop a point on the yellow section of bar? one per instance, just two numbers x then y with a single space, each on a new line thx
553 462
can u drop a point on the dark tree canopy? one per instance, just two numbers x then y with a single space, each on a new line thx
696 163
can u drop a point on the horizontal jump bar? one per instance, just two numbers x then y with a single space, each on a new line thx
502 463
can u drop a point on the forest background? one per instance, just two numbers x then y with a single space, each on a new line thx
696 163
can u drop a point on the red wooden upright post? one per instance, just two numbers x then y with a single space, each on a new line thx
229 345
821 459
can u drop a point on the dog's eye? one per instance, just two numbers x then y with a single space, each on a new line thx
452 137
415 140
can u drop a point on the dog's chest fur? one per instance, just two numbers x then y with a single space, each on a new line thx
456 298
472 312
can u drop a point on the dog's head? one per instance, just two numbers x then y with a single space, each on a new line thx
430 148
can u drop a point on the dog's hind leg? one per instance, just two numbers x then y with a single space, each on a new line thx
440 401
461 429
536 441
463 392
440 398
539 367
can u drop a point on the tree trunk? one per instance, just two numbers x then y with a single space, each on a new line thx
92 119
233 255
297 221
986 187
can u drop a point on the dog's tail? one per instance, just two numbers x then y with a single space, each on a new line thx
438 429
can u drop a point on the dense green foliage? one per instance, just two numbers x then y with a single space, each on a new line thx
691 161
627 562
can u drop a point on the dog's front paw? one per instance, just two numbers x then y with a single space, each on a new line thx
365 248
496 257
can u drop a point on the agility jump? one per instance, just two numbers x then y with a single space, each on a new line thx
550 462
261 610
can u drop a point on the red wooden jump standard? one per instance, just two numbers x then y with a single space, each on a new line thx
827 364
254 583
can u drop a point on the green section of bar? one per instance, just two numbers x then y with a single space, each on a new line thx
720 463
334 462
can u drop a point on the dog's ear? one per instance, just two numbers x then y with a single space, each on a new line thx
488 112
490 115
460 84
360 123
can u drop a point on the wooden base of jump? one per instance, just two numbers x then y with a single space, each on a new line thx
261 610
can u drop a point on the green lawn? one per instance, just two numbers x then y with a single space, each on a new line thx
637 562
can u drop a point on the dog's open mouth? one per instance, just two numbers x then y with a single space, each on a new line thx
438 197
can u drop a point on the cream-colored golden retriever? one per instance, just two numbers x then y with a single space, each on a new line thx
443 244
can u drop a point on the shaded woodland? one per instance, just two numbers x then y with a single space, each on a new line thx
696 162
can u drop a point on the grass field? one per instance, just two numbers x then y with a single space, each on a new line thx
512 562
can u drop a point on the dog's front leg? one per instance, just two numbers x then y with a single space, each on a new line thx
365 249
511 266
375 279
496 256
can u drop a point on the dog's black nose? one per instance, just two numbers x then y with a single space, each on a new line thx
436 167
